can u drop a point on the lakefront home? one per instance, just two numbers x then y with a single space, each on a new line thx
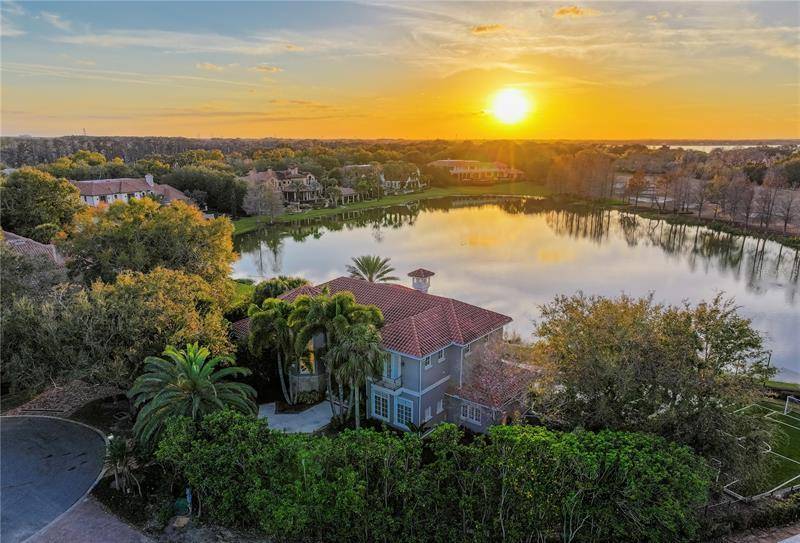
295 186
477 172
105 191
431 374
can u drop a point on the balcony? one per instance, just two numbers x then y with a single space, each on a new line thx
392 383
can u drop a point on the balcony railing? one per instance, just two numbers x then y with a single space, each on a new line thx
392 383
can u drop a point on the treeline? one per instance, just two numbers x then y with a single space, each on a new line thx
520 483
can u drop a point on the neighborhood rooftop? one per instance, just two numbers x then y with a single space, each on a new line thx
29 247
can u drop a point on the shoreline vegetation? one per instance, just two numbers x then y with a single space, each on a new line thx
519 189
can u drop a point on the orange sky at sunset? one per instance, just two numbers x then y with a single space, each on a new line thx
402 70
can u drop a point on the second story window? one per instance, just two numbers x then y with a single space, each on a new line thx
440 406
440 356
428 362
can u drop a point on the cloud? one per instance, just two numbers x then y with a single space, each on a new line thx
266 68
11 8
494 28
56 20
116 76
210 66
8 30
184 42
303 103
575 11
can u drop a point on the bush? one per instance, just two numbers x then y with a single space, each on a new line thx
518 483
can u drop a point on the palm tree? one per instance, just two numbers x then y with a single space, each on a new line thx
371 268
357 356
270 329
330 316
188 384
121 461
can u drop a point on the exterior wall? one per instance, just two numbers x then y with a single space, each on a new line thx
488 416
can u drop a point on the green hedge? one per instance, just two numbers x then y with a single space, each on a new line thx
520 483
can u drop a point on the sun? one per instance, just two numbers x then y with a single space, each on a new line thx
510 106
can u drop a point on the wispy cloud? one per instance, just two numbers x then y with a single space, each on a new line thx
210 66
488 29
575 11
266 68
183 42
116 76
8 30
56 20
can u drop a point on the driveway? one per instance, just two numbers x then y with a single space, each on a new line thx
312 419
47 465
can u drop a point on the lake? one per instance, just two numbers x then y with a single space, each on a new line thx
510 255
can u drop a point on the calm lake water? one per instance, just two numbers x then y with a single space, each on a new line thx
511 255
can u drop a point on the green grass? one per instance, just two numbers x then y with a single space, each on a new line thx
783 385
523 188
785 444
241 292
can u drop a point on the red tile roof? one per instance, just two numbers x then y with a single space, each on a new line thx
127 185
421 272
29 247
416 323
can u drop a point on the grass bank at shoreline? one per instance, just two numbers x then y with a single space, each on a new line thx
524 188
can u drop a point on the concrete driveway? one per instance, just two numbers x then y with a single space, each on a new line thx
311 420
47 465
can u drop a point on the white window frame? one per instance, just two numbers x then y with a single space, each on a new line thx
441 357
375 414
470 412
428 414
427 362
405 403
440 405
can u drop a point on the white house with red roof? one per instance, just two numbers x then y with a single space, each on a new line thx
106 191
429 340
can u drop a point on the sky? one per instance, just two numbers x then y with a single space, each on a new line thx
602 70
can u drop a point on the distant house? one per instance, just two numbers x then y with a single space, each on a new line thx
105 191
298 186
477 172
28 247
430 341
295 186
395 178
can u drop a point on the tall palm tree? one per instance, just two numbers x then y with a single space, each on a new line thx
357 356
187 384
371 268
330 316
270 329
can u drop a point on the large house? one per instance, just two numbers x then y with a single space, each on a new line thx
105 191
296 186
392 180
477 172
431 341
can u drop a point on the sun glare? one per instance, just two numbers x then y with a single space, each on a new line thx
510 106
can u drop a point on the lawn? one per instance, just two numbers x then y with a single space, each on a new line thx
524 188
784 450
241 292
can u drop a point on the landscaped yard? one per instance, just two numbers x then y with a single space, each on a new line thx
524 188
784 450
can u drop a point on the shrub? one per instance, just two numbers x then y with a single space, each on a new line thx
516 484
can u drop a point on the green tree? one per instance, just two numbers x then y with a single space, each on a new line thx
142 235
188 384
121 460
275 286
270 332
30 197
357 356
103 333
631 364
329 316
371 268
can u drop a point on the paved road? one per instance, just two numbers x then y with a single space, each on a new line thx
47 465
